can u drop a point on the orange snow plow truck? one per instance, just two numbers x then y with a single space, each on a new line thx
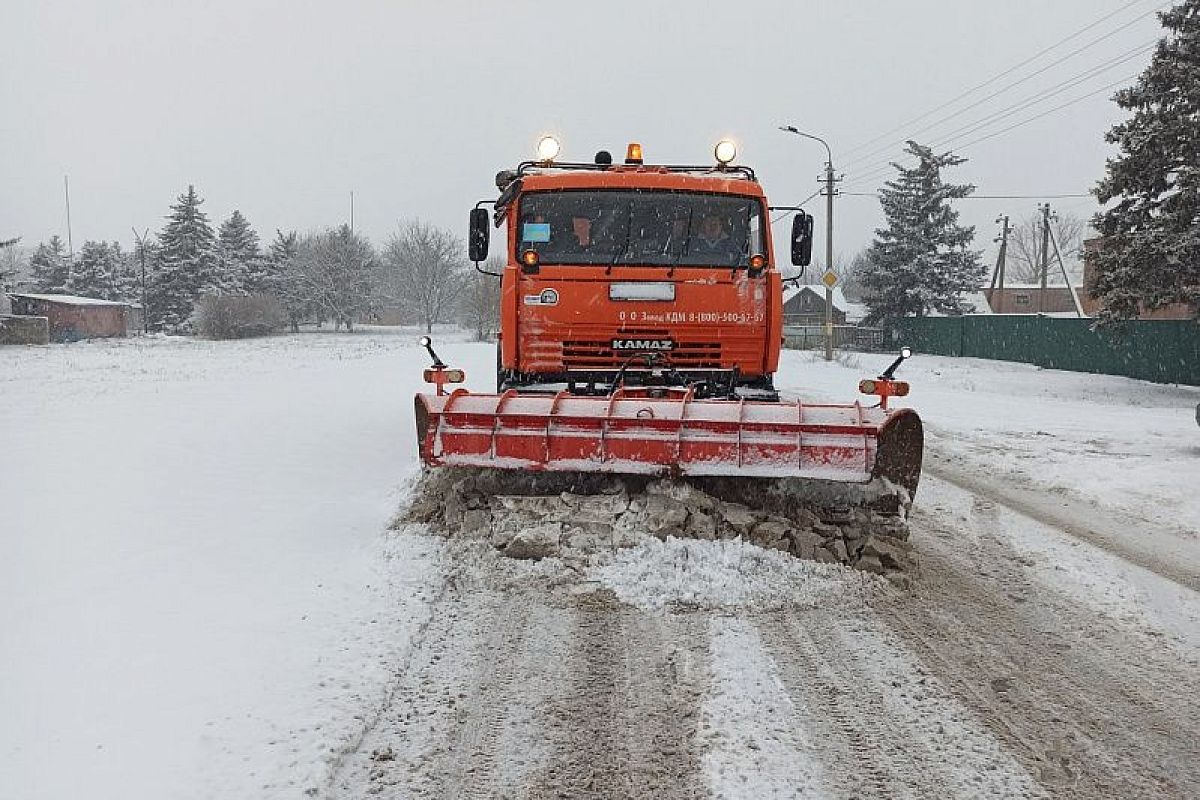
641 322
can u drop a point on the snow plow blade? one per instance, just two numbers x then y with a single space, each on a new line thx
677 435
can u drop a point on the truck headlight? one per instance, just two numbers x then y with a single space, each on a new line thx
548 149
725 151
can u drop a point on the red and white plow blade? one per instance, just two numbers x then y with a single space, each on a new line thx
637 434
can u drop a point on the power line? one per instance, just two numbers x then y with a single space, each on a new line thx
1056 89
1034 99
987 196
1049 111
1011 85
883 170
997 77
783 214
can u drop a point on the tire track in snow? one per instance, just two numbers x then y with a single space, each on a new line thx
904 734
624 725
440 732
439 585
758 743
1151 548
1091 703
471 759
846 736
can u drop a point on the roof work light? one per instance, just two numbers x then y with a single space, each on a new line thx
725 151
548 149
633 153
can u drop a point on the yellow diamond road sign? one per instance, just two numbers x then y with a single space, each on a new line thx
830 279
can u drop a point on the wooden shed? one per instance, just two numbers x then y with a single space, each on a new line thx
72 318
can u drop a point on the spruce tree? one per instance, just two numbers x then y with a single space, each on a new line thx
242 263
97 271
921 262
185 264
51 267
285 281
1150 256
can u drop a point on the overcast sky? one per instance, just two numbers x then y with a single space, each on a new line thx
282 108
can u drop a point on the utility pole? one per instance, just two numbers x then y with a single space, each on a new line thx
1062 266
1045 209
998 272
351 211
141 240
829 256
829 189
67 195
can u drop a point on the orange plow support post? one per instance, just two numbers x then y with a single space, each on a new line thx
632 433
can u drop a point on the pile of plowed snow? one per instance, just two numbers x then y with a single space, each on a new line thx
725 574
586 518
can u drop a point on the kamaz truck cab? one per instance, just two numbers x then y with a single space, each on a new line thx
637 275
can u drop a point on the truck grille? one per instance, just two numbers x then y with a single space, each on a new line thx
598 353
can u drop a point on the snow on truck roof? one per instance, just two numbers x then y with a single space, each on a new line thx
67 299
648 178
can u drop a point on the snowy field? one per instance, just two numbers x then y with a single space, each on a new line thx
199 596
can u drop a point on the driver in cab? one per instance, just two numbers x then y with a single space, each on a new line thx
713 240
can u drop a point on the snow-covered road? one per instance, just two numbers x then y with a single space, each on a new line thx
199 597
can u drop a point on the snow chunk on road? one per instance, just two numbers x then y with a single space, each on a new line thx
725 574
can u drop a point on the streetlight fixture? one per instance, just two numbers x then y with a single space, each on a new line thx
829 181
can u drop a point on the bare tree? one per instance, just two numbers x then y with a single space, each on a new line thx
424 270
13 261
1024 262
851 282
336 274
480 301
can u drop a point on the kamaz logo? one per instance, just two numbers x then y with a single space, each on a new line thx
643 344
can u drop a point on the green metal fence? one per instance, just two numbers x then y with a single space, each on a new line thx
812 337
1164 351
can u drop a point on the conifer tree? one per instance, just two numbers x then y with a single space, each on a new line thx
242 262
98 271
285 281
51 267
921 262
283 247
1150 256
185 264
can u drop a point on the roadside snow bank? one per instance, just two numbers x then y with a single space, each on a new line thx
1123 444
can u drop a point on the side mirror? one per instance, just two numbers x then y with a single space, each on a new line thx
802 239
477 241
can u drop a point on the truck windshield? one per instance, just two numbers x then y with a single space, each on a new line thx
640 227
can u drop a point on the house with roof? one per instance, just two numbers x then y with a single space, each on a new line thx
71 318
805 305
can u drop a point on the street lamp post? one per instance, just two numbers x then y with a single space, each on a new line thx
829 180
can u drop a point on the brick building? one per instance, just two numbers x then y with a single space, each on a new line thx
72 318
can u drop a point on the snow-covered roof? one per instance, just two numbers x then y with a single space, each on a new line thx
67 299
854 311
1031 286
976 298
